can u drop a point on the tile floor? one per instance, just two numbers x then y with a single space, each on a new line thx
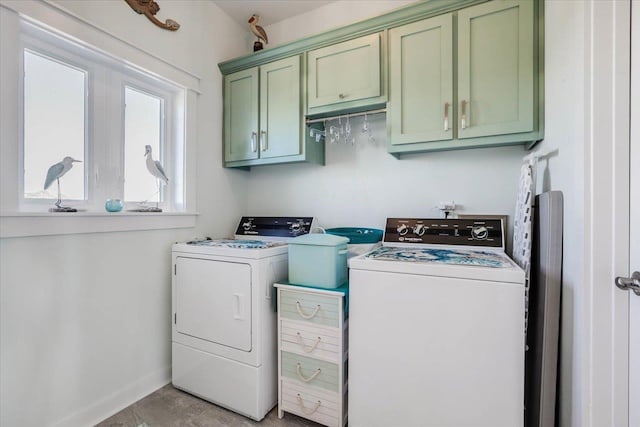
170 407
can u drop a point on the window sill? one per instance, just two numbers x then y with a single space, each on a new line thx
26 224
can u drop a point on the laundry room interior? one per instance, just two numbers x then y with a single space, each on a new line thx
88 297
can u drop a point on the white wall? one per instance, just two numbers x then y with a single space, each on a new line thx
362 185
332 15
586 78
565 132
85 319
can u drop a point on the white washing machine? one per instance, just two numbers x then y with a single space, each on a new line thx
436 328
224 322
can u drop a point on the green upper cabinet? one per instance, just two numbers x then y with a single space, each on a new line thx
495 69
466 79
263 116
452 74
280 109
241 115
345 75
421 81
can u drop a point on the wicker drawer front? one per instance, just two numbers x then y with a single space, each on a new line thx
313 308
310 340
309 371
312 403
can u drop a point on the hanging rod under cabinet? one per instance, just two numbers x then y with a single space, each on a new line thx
362 113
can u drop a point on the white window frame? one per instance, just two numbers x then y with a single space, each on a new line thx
167 138
17 17
53 53
104 123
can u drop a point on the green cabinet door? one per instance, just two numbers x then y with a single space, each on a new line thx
343 73
421 81
495 69
241 115
280 109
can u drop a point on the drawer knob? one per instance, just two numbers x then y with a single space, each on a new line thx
304 347
305 315
306 379
305 410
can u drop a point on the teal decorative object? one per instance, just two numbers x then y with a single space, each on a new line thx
113 205
357 235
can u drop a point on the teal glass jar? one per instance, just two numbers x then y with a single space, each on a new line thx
113 205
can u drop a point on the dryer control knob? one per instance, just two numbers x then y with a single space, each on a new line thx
419 229
479 233
247 225
296 227
402 229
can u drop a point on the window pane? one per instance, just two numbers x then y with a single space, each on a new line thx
142 127
54 126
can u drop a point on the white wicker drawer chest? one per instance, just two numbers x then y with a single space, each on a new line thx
312 353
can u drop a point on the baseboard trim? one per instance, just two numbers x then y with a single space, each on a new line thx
114 403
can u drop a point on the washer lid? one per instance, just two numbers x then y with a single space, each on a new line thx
490 259
486 265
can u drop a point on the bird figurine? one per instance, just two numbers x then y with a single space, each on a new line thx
56 172
259 33
155 168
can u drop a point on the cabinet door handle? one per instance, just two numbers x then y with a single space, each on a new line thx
254 142
306 379
463 115
305 410
446 116
264 145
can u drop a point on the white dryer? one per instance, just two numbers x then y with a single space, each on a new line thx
224 322
436 328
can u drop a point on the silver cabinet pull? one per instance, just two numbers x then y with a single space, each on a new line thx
630 283
463 115
264 145
254 142
446 116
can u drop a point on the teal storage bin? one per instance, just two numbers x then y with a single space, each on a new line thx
318 260
357 235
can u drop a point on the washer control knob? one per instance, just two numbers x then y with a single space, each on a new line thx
247 225
419 229
479 233
402 229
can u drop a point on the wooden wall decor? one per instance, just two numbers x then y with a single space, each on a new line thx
149 8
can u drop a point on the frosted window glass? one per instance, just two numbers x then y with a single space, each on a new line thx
54 126
142 126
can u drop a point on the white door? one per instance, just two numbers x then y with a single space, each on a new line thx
634 216
213 301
